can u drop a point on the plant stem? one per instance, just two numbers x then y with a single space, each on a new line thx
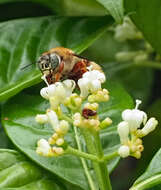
152 64
90 180
110 156
103 165
100 168
79 153
65 117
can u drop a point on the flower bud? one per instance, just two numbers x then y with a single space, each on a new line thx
41 118
64 126
58 151
60 141
105 123
93 106
124 151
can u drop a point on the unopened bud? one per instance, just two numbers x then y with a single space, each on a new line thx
60 141
41 118
124 151
105 123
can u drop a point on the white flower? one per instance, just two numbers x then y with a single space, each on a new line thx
134 117
123 131
91 82
58 92
149 126
124 151
43 147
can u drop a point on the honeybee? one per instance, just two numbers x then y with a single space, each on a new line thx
61 63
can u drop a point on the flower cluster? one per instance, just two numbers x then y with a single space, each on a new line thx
130 132
127 31
82 110
57 139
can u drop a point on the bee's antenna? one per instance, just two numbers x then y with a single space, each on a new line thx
26 66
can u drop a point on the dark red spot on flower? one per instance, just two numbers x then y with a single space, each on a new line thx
86 113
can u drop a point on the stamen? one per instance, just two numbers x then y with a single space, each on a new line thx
138 102
44 79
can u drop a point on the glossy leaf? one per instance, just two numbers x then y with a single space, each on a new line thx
152 175
23 41
24 132
115 8
147 17
18 173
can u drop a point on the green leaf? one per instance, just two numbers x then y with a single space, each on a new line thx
23 41
4 141
152 175
70 7
115 8
16 172
24 132
147 17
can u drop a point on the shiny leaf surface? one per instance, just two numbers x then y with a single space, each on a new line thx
152 176
16 172
23 41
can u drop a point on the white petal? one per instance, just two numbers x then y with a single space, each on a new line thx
70 84
51 90
83 84
44 93
134 118
95 85
53 119
43 147
101 77
123 131
150 126
124 151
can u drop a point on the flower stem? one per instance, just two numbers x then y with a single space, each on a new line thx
94 147
65 117
79 153
110 156
152 64
103 165
90 180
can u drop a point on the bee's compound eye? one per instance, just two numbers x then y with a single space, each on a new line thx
55 61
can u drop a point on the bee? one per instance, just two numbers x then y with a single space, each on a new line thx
61 63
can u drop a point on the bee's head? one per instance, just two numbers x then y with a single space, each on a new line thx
48 62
